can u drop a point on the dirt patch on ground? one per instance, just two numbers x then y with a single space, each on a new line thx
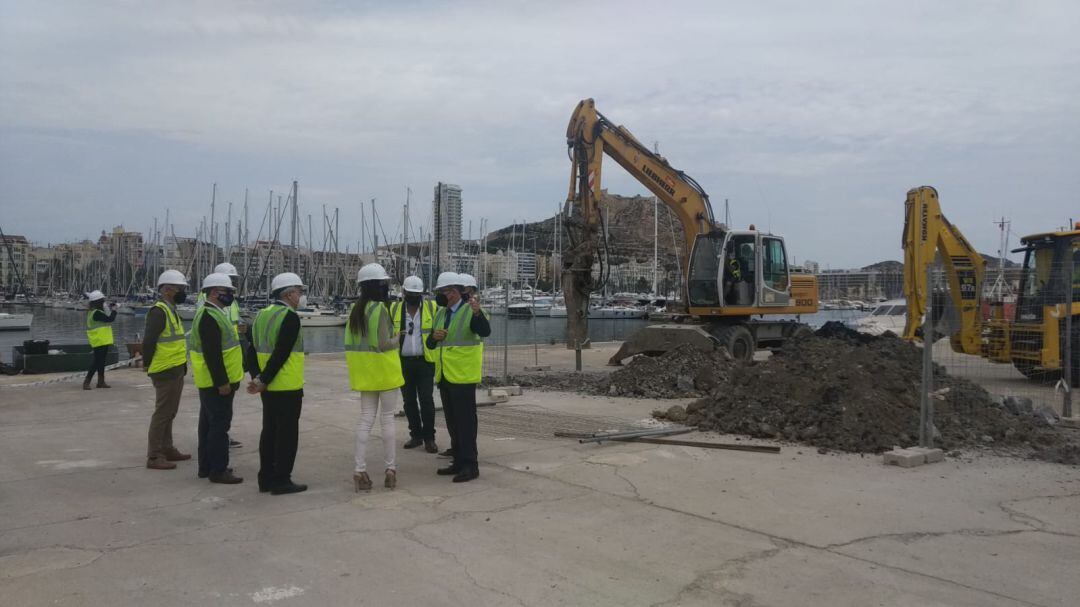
841 390
681 373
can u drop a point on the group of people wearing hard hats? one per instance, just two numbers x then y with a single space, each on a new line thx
394 350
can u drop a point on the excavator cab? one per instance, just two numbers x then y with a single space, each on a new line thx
739 269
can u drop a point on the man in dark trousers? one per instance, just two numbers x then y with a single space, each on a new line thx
276 364
458 336
100 335
414 317
217 361
164 352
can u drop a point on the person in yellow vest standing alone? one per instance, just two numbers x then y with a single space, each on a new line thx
413 318
371 354
165 360
217 362
99 333
276 365
458 335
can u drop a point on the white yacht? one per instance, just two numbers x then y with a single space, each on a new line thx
887 316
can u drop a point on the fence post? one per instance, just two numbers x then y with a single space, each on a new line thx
1066 359
926 405
506 335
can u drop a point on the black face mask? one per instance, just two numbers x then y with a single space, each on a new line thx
180 297
440 300
225 299
413 298
464 296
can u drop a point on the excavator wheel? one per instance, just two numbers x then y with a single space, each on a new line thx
738 341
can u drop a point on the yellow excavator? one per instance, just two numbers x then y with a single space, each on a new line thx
1032 336
734 279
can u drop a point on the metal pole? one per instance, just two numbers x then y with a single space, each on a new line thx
536 348
1067 353
506 334
926 406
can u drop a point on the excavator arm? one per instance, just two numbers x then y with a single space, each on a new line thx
926 233
590 135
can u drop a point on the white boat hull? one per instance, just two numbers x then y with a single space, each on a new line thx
16 322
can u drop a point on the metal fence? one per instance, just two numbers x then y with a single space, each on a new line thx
1026 344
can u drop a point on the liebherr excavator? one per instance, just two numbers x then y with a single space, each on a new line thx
734 278
1033 340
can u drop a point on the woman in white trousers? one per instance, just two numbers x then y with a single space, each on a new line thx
371 352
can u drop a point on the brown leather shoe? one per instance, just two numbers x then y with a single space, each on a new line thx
226 478
176 456
159 463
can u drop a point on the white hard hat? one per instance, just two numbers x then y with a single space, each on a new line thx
468 280
172 277
217 279
413 284
226 268
286 279
372 271
95 295
447 279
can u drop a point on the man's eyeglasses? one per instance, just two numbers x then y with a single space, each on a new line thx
410 327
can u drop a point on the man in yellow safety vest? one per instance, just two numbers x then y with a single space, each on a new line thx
165 360
217 363
276 364
413 318
100 335
458 335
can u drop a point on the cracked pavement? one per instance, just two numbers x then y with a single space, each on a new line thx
549 522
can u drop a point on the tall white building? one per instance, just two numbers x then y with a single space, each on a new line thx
447 213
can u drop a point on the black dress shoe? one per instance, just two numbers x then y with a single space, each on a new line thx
448 453
226 478
413 443
204 473
430 446
287 488
448 470
468 474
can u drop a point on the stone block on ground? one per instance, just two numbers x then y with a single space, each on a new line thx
932 455
494 395
1072 423
510 390
905 458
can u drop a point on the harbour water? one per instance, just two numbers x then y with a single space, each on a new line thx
61 326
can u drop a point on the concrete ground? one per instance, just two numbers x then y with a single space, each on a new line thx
549 522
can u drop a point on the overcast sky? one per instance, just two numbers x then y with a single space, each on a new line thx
813 118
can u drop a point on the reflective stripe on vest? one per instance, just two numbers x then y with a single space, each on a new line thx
99 333
369 369
171 350
428 310
264 336
461 354
231 354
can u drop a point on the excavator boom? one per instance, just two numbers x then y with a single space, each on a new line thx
927 233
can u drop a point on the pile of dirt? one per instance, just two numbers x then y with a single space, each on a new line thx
845 391
679 373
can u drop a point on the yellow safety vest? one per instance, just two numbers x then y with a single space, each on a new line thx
428 310
264 336
369 369
99 333
171 350
461 354
231 353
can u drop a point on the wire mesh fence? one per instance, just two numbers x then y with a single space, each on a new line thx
1019 341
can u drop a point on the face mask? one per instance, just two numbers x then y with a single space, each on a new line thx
180 297
413 298
464 296
225 299
440 300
